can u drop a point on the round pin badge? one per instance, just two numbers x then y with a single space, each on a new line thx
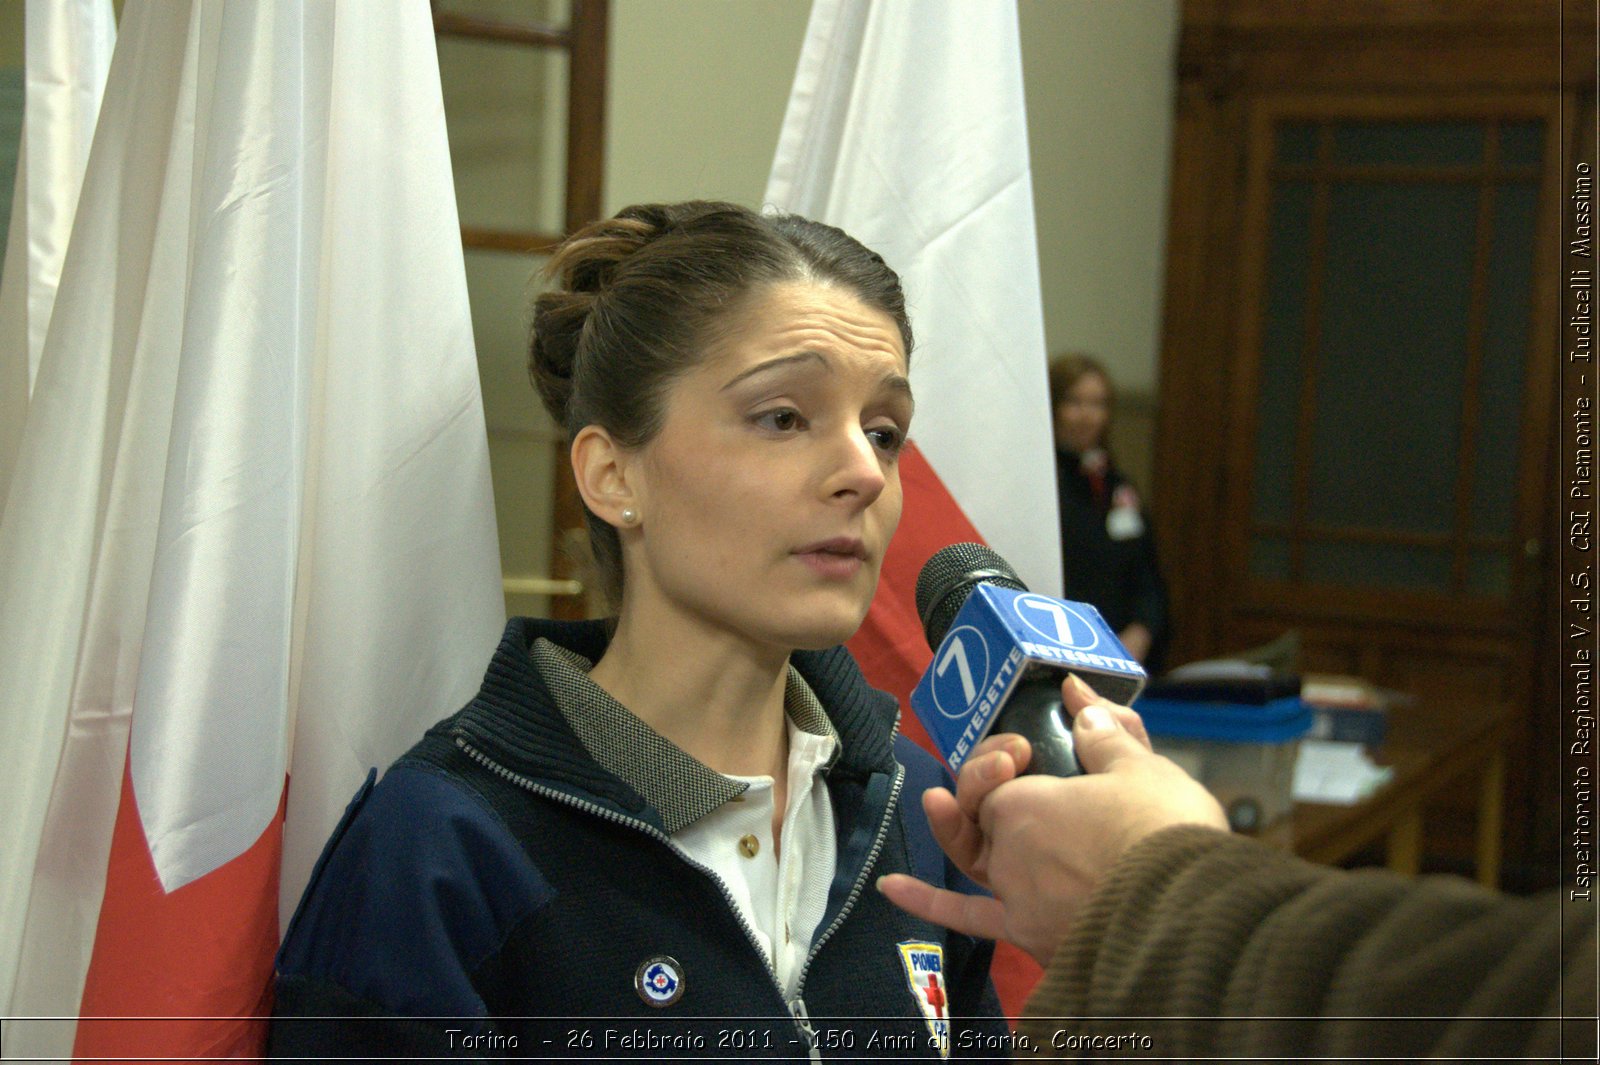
659 981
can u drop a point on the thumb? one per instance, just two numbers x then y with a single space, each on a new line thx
1100 739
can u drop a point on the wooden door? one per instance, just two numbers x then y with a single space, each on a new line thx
1385 469
1358 377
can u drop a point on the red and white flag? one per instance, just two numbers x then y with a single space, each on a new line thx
67 51
906 128
250 533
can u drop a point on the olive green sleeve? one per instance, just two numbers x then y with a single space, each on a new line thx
1203 943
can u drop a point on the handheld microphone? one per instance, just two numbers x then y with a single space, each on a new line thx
1000 653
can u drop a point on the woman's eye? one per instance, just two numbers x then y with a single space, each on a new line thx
887 438
781 419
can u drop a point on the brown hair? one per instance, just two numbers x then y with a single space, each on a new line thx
640 298
1066 370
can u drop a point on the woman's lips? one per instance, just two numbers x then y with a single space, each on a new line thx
837 559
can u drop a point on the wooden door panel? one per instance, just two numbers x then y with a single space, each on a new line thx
1361 309
1384 324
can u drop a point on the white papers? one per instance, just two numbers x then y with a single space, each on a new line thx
1331 772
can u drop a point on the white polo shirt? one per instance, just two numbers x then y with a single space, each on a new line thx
781 891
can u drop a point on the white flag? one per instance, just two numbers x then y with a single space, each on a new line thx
66 53
251 510
906 129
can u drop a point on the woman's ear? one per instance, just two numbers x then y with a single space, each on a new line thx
603 469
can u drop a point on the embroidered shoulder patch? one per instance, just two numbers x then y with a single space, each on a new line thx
924 966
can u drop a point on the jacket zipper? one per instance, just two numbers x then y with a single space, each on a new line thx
802 1020
861 879
797 1008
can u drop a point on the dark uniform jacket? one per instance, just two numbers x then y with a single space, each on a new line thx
1116 574
506 891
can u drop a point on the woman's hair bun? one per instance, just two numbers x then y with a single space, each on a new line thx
558 321
582 269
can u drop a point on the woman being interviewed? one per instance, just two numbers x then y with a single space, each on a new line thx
673 819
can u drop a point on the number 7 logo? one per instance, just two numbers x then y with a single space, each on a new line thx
956 651
960 672
1057 622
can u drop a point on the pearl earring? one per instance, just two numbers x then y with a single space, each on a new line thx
629 515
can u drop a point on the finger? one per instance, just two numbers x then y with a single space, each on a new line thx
944 815
973 915
1101 740
1130 720
1021 751
1076 695
957 835
1013 744
979 776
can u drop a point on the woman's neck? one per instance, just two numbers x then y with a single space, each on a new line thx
714 694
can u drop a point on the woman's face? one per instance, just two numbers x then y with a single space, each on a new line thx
768 498
1082 415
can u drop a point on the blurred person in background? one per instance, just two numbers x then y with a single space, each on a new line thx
1108 555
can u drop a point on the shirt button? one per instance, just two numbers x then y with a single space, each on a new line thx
749 846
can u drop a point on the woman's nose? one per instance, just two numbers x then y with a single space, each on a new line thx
857 469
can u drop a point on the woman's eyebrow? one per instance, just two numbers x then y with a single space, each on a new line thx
776 364
898 382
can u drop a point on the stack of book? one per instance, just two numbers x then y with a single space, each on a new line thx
1347 709
1344 708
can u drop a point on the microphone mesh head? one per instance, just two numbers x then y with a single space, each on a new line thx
949 577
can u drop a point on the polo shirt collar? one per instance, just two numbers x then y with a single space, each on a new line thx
680 787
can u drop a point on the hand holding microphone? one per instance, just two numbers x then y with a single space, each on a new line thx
1000 654
1042 843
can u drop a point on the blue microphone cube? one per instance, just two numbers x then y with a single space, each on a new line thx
1001 637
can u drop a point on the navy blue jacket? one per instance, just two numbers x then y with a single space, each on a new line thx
496 894
1120 578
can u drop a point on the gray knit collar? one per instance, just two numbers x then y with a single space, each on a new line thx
680 787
